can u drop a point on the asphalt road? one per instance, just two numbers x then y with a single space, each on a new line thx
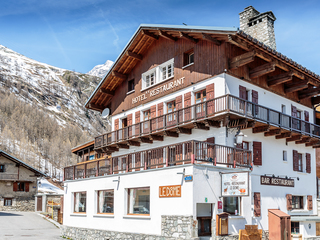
26 225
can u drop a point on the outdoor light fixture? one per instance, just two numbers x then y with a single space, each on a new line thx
183 173
117 180
239 137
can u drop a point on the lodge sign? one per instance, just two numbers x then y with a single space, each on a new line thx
235 184
276 181
170 191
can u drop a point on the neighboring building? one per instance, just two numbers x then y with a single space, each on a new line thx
205 121
18 184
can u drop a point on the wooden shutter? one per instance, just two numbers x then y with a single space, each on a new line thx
318 229
26 187
187 103
211 140
295 160
257 206
15 186
210 96
61 204
160 109
116 124
242 92
306 116
153 111
129 119
308 162
289 202
255 97
178 107
294 114
257 153
136 128
137 117
309 199
160 113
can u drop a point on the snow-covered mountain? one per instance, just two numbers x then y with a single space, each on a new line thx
101 70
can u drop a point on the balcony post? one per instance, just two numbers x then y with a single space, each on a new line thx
192 152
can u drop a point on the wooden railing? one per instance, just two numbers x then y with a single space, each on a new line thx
8 176
207 110
190 152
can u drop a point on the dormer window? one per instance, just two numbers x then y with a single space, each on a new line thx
158 74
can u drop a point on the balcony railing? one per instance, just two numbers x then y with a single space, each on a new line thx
8 176
209 110
190 152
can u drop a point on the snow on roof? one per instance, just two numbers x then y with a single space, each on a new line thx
47 187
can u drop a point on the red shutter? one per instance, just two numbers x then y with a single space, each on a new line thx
257 206
257 153
295 160
178 107
153 111
289 202
306 116
160 113
15 186
116 124
129 119
136 125
210 96
309 198
255 97
137 117
26 187
308 162
187 103
242 92
211 140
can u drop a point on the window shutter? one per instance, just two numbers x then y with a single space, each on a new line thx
160 113
289 202
295 160
308 162
187 103
61 204
257 153
257 206
129 119
242 92
137 117
153 111
15 186
255 97
26 187
210 96
318 229
306 116
309 198
160 109
294 114
211 140
179 102
116 124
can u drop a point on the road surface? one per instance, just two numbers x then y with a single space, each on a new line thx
26 225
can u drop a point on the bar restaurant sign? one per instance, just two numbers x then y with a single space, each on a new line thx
276 181
235 184
170 191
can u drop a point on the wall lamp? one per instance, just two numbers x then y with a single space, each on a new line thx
117 180
183 172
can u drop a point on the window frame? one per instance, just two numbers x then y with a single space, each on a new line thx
171 117
131 85
299 200
238 206
186 58
285 156
98 201
300 162
5 200
21 186
2 168
74 202
128 202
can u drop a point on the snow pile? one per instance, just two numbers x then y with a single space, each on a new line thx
46 187
101 70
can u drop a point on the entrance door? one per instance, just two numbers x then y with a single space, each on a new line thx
204 216
39 204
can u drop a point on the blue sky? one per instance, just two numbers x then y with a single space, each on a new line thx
79 34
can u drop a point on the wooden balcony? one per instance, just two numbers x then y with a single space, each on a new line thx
226 110
8 177
190 152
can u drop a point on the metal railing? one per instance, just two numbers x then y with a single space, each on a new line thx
195 152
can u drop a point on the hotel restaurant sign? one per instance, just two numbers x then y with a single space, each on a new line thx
276 181
235 184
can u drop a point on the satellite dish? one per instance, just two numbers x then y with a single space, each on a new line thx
105 113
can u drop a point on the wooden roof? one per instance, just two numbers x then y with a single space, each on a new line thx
85 145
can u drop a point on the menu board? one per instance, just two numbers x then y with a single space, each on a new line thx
235 184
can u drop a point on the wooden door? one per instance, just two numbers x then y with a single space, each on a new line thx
39 204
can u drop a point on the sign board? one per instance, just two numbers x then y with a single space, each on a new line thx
188 178
219 204
170 191
235 184
276 181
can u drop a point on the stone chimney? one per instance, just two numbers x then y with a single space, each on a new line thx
259 25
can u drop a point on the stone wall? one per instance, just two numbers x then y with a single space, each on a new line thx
19 204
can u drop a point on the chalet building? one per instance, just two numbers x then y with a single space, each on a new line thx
212 130
18 184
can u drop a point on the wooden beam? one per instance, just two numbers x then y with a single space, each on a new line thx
187 37
96 107
312 143
279 79
112 149
242 60
294 138
211 123
150 35
134 55
184 130
119 75
308 93
262 70
237 123
121 145
260 129
284 135
272 132
316 146
238 42
171 134
166 36
313 82
209 38
134 143
303 140
107 92
315 100
296 87
202 126
156 137
145 140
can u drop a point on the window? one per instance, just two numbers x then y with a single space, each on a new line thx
171 107
7 202
158 74
295 227
300 162
1 168
297 202
80 200
188 57
130 85
91 157
231 205
244 145
105 201
139 201
200 97
21 186
299 122
283 108
284 156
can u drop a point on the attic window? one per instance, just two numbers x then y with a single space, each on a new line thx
130 85
188 58
1 168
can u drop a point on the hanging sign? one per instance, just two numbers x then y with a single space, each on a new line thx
235 184
170 191
276 181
